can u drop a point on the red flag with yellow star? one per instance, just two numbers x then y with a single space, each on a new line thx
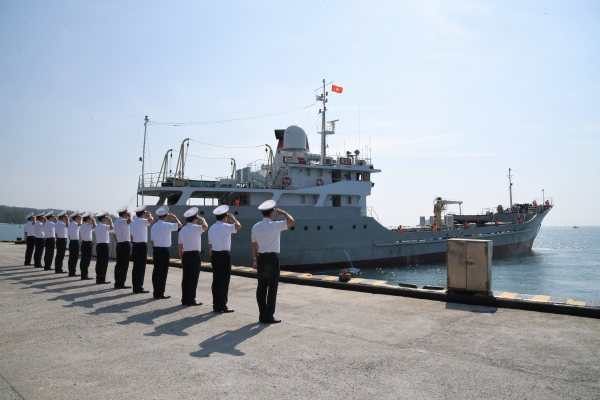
337 89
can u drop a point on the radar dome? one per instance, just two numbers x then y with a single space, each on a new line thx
294 138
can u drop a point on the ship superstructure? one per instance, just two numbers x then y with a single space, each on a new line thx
327 195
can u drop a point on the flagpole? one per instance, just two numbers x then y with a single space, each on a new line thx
323 144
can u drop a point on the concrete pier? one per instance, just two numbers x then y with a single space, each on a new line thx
63 338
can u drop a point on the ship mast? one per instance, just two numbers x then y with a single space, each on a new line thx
323 134
144 155
510 187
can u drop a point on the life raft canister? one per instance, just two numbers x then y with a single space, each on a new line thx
320 182
286 181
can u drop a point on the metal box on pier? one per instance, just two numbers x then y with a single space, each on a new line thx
469 265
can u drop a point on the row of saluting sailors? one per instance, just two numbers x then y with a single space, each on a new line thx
49 231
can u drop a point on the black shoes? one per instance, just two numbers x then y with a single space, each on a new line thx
269 321
73 274
37 266
141 291
223 310
194 303
102 282
162 297
86 278
60 272
122 287
48 269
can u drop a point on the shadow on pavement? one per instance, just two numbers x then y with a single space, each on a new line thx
89 303
121 307
28 280
45 285
178 327
471 308
62 289
148 317
73 296
226 342
18 272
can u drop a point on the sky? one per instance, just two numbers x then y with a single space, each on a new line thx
448 95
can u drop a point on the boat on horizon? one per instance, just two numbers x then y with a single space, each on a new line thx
327 196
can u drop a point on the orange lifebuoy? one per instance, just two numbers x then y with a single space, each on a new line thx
320 182
434 228
286 181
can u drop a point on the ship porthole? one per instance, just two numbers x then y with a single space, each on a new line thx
365 227
235 212
306 228
201 212
353 226
292 228
330 227
319 227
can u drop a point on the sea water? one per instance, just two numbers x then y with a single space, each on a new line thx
564 261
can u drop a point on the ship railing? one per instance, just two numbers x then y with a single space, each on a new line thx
151 179
369 212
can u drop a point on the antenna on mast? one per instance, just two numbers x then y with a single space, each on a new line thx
510 187
324 132
143 160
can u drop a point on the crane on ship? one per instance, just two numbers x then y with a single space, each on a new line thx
440 205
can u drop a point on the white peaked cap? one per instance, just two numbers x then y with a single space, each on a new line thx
122 209
29 215
61 214
267 205
102 214
49 214
76 213
41 215
191 212
221 210
87 214
140 208
162 211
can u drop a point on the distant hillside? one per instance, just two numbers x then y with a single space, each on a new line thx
16 215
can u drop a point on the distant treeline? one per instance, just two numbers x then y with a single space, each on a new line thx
16 215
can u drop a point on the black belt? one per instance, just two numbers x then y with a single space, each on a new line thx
221 251
191 251
269 253
140 242
161 247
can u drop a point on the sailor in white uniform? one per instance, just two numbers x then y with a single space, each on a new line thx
50 240
265 250
189 254
105 225
139 249
219 245
160 234
38 231
29 238
85 232
73 232
123 239
61 241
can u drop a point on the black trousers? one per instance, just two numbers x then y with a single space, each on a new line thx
73 256
139 251
61 248
161 270
49 244
122 265
39 250
30 240
191 272
101 262
267 265
86 257
221 265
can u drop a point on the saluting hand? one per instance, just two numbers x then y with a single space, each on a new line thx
280 212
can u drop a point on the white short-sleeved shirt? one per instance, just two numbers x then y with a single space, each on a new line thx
122 231
139 230
219 236
266 235
85 232
160 233
102 231
61 230
49 231
73 230
29 229
38 230
189 237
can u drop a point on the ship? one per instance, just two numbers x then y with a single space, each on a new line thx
327 196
